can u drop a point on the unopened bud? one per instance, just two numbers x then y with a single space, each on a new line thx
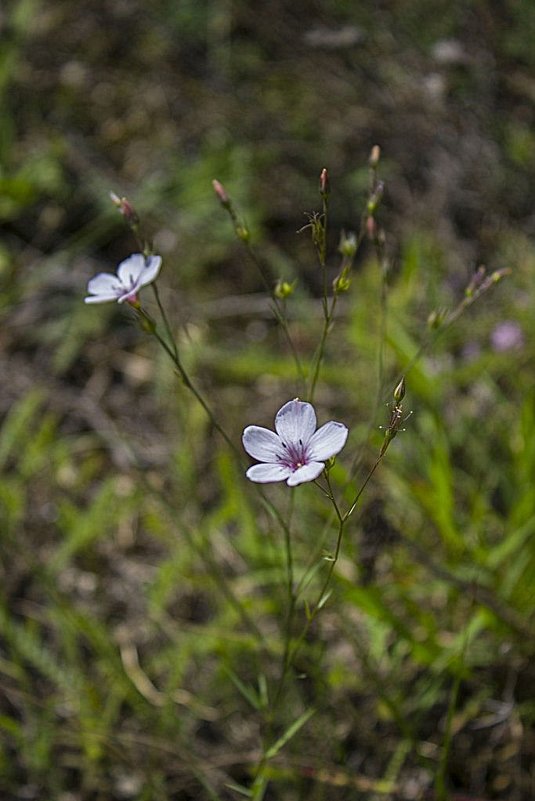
436 318
348 245
325 186
475 282
497 275
126 208
243 233
371 228
375 155
341 283
284 289
221 193
375 198
399 392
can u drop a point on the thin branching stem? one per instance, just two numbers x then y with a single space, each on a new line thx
165 320
441 790
291 652
277 307
278 310
327 324
363 486
172 352
451 318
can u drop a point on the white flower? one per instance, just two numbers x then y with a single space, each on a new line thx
133 273
297 452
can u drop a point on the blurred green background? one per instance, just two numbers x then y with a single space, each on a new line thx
133 555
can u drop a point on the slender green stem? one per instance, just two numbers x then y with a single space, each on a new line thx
167 326
321 348
330 495
320 602
292 599
327 313
363 486
288 548
383 309
278 310
260 782
441 789
454 315
323 252
175 358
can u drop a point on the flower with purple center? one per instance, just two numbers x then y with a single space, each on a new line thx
297 452
133 273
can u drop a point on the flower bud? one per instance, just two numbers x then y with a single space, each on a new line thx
375 198
371 228
399 392
342 283
284 289
325 186
475 282
221 193
243 233
126 209
375 155
497 275
436 318
348 245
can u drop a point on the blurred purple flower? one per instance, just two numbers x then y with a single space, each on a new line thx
507 336
133 273
297 452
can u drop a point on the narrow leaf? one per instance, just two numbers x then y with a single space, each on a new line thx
289 733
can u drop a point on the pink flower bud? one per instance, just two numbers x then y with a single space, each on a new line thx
126 208
325 186
371 227
221 193
375 155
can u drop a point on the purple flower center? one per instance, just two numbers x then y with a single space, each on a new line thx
295 455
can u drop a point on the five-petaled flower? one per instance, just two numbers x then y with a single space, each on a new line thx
297 452
133 273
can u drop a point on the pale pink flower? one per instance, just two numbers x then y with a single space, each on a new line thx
297 452
133 273
507 336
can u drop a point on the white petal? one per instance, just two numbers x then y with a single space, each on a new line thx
130 269
100 298
308 472
105 284
150 271
262 444
327 441
265 473
295 421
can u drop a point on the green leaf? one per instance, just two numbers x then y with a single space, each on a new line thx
248 693
289 733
